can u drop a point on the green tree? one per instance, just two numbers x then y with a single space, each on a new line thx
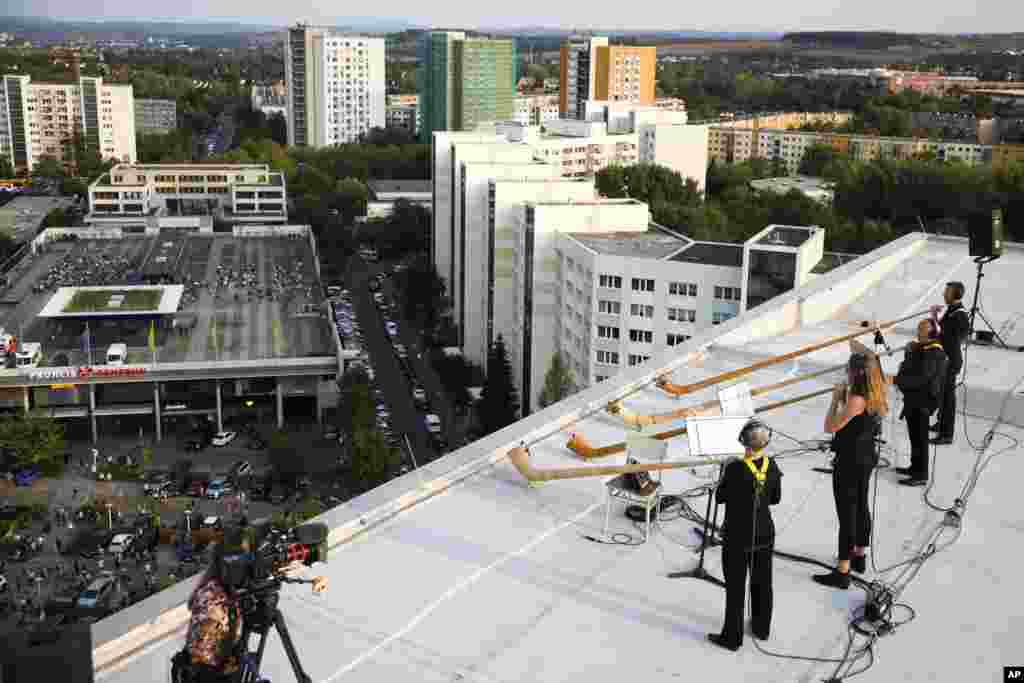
423 294
33 440
6 168
372 461
499 404
58 218
558 382
47 166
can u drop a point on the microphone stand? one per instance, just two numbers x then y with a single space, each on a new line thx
707 539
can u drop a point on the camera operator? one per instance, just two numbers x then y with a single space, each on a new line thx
215 628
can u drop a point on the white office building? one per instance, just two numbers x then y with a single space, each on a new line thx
626 296
335 86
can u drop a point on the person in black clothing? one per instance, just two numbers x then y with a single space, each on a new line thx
748 487
955 327
921 377
855 420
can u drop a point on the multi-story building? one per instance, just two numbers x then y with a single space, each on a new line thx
576 76
335 86
137 197
403 113
464 82
538 282
625 73
271 99
155 116
732 144
627 295
535 110
44 119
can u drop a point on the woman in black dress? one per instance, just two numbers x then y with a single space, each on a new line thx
855 419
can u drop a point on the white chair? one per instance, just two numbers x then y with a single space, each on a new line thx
640 447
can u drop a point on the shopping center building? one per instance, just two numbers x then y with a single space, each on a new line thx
149 331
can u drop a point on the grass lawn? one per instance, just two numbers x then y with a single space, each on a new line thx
97 300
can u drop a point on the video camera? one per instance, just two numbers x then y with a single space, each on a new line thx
271 550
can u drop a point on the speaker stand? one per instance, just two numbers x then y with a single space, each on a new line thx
976 309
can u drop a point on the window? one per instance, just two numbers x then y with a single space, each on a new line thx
727 293
609 307
600 378
682 315
641 336
718 318
607 332
610 281
608 357
673 339
643 285
682 289
635 359
641 311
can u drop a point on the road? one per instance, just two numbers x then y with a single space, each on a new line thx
405 417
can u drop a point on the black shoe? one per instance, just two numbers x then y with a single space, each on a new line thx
905 471
760 635
834 579
934 428
859 563
720 641
914 480
942 440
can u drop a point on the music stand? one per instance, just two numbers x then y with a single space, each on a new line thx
711 437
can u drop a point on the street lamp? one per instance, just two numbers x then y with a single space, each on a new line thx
188 520
95 454
110 516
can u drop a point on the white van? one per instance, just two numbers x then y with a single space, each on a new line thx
117 354
29 355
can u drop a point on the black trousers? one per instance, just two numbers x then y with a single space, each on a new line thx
736 559
917 429
850 483
947 407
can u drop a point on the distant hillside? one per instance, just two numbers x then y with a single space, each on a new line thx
869 40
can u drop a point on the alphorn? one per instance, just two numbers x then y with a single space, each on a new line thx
683 390
577 472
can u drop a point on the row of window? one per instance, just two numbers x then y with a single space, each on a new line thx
674 288
728 293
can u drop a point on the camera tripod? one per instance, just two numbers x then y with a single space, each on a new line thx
975 312
261 615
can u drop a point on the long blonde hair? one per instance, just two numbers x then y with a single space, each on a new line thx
874 387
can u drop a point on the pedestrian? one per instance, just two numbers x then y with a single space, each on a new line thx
921 377
854 418
955 327
748 487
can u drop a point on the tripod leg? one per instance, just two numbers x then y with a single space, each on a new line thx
289 648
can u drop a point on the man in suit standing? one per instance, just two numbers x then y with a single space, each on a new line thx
955 326
921 378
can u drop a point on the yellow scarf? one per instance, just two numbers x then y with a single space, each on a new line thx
760 475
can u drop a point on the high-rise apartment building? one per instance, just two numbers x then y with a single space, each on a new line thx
576 76
43 119
335 86
465 82
591 69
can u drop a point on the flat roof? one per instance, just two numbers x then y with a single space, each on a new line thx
808 185
523 583
241 298
25 213
786 235
655 244
61 304
190 167
406 186
712 254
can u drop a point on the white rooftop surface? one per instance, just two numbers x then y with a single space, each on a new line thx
491 580
169 302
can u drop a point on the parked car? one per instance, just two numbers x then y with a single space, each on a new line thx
221 439
120 544
26 476
218 488
419 396
433 423
391 327
155 480
96 545
212 522
98 592
240 468
168 489
197 488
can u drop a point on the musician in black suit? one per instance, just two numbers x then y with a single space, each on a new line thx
748 487
955 326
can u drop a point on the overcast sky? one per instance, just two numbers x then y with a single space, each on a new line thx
949 16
